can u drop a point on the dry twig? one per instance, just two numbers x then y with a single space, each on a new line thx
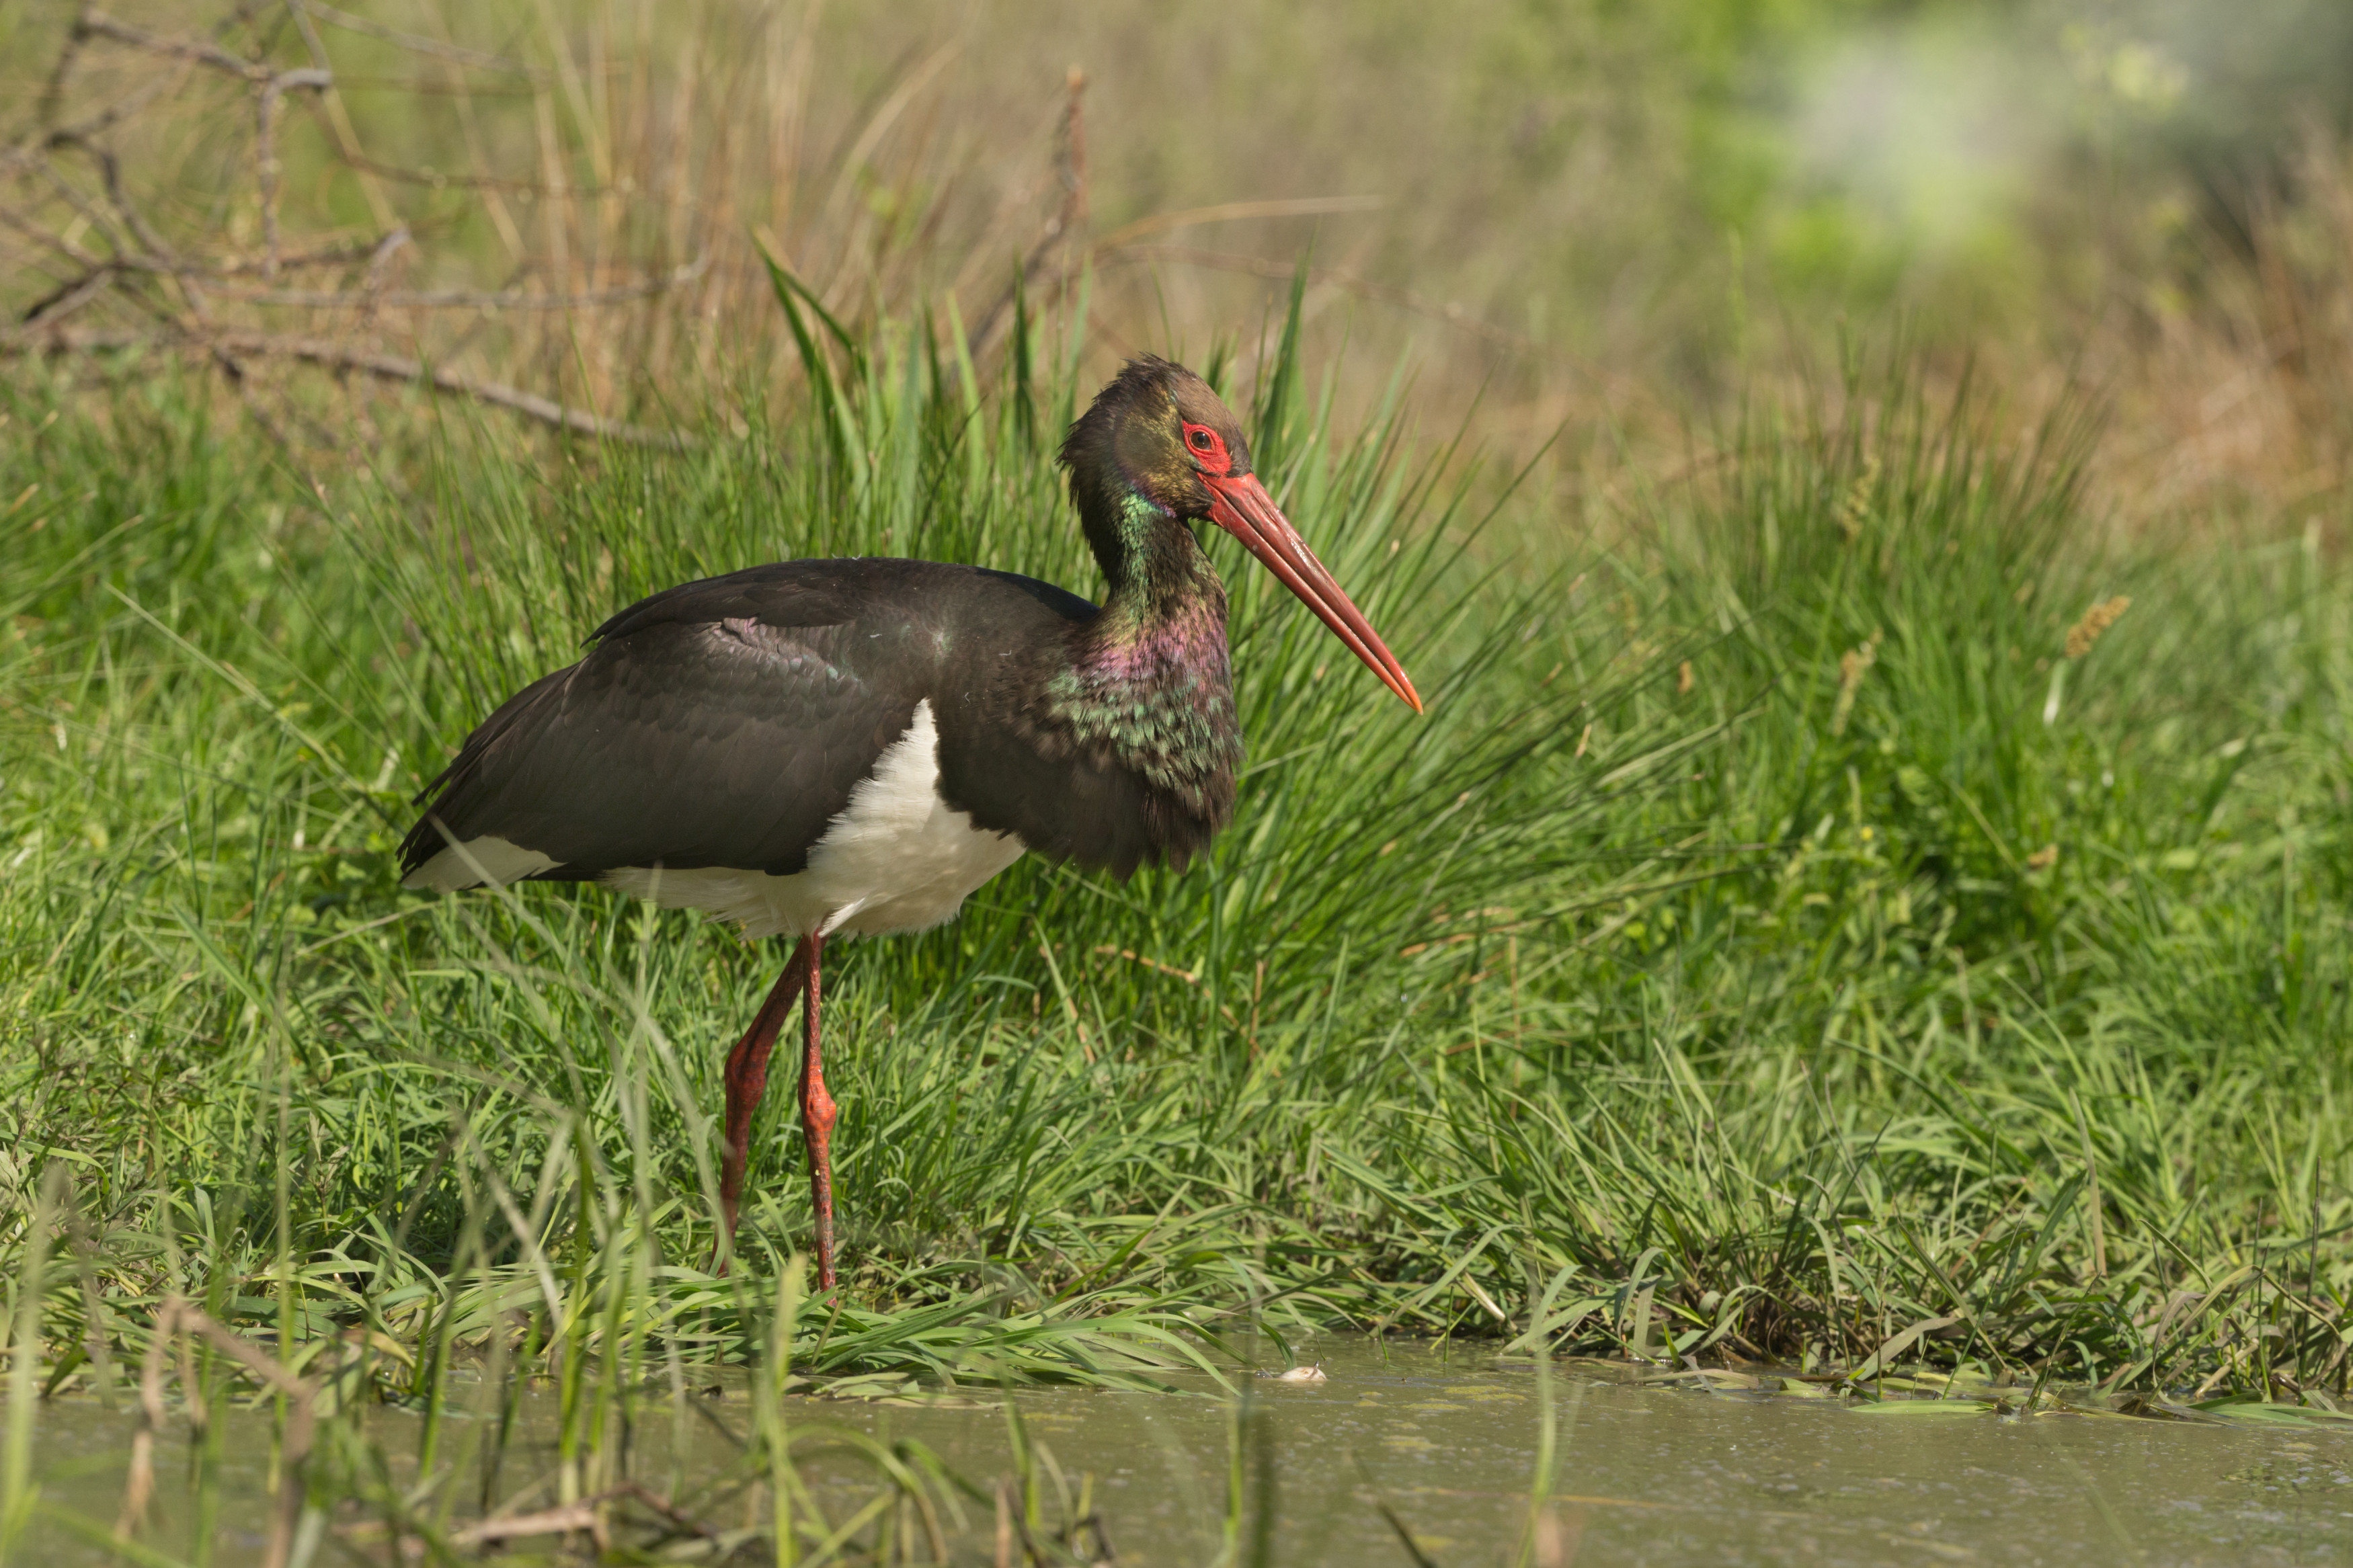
114 274
333 355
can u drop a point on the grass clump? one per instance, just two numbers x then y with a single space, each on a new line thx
1791 933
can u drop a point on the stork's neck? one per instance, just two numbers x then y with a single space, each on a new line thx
1148 679
1158 576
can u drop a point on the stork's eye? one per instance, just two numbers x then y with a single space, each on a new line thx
1208 449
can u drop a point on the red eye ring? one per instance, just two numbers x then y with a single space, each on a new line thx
1208 448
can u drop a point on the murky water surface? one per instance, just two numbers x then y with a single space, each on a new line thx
1447 1441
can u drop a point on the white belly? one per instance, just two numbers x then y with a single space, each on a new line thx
896 858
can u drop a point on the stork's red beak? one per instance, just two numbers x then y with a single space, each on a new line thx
1240 506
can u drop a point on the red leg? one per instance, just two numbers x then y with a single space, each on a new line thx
747 1079
816 1117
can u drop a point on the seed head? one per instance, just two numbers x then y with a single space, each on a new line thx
2097 619
1855 510
1851 665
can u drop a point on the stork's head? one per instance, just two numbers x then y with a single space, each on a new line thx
1156 438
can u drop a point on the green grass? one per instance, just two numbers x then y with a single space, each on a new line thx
1673 988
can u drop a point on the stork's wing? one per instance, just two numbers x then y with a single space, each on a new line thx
676 742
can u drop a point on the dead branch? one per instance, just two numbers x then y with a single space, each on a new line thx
440 180
75 198
468 299
265 153
109 169
677 1517
584 1515
98 24
330 256
113 114
338 356
432 47
68 296
566 1519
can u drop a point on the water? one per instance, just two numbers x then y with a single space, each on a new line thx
1446 1440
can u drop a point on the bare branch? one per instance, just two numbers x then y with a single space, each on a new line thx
578 1516
90 213
33 231
469 299
330 108
439 180
53 90
113 114
153 242
565 1519
109 169
98 24
344 357
265 151
331 255
68 297
453 53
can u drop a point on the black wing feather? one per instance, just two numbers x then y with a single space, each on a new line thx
679 744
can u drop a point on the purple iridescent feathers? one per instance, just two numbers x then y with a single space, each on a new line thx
1148 686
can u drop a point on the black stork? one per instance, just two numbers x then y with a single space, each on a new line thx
821 749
